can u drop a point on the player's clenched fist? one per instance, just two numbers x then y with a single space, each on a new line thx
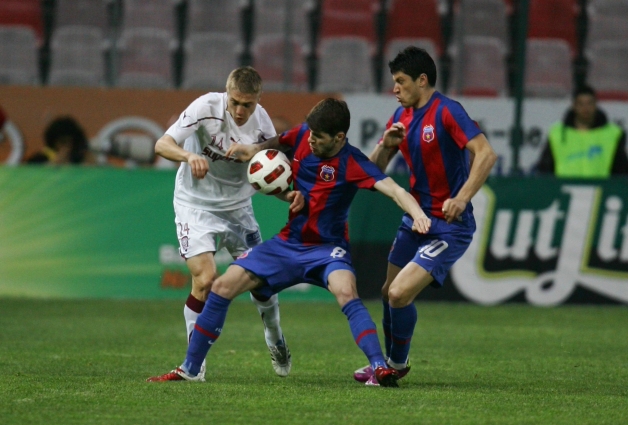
198 165
394 135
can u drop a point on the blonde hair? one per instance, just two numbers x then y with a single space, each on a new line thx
245 80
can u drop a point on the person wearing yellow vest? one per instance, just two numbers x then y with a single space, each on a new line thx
585 144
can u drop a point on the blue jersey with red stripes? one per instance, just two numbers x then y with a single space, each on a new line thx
328 185
434 148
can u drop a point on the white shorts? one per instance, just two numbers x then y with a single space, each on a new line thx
202 231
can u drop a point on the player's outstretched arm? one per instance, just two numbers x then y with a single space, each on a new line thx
386 150
295 198
245 152
167 147
406 202
483 160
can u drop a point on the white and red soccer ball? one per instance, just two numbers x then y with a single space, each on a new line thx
270 172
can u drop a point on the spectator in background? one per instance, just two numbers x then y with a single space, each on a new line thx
65 142
585 144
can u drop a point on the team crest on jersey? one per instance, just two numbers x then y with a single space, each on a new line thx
428 133
327 173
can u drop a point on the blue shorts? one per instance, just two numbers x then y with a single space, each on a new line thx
436 251
283 264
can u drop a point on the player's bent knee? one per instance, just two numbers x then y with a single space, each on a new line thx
204 281
398 298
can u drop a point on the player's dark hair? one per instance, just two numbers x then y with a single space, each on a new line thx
245 79
583 89
414 61
329 116
64 129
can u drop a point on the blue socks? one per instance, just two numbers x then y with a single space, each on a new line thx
403 322
206 331
364 331
387 328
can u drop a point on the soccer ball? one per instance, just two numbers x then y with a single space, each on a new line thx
270 172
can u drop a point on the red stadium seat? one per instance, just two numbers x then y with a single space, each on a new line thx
554 19
23 12
414 19
349 18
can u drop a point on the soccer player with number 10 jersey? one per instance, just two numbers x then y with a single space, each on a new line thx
449 159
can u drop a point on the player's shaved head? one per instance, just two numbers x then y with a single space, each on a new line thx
414 61
245 80
329 116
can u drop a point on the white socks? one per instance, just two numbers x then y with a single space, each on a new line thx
269 311
190 320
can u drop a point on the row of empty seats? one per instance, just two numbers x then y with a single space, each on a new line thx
133 43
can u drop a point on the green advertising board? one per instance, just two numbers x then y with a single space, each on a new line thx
102 232
109 233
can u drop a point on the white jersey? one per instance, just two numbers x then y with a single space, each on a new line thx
207 129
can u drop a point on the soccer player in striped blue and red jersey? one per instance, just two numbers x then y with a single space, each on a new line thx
314 246
449 159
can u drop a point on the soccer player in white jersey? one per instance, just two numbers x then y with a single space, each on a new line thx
212 196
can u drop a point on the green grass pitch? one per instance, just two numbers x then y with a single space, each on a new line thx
85 362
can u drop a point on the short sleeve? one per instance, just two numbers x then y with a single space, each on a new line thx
362 172
458 124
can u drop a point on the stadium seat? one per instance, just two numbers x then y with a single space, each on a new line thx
145 58
554 19
280 63
19 53
77 56
548 68
349 18
209 58
150 14
395 46
288 17
23 13
84 13
216 16
414 19
480 68
480 18
344 65
608 69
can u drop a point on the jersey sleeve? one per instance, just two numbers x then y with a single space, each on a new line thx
187 123
458 124
266 125
362 172
292 136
